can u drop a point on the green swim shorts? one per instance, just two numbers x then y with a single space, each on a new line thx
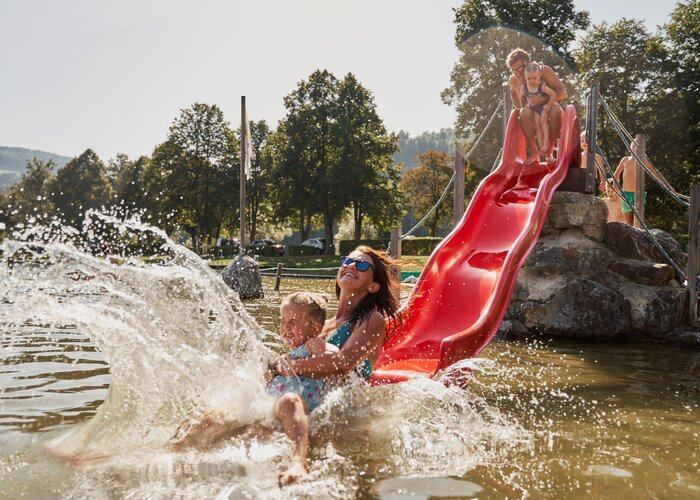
627 204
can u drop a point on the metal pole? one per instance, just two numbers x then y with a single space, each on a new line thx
591 136
458 206
244 152
507 108
639 180
693 254
395 242
278 277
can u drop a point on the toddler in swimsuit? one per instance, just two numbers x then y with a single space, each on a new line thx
301 321
534 86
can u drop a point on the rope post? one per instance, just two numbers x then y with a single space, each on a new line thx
245 160
507 107
693 254
640 140
591 136
395 253
278 277
458 206
395 249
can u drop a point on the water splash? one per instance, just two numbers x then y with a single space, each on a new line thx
174 335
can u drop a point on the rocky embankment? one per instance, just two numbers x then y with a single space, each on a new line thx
590 279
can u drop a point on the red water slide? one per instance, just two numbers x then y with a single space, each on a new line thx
462 294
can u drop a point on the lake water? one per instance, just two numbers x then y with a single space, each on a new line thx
100 365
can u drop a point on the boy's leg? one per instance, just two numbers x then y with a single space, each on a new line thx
291 411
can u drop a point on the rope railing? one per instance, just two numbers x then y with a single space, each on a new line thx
617 190
452 179
627 141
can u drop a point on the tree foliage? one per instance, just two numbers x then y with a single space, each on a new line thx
411 147
425 184
486 32
196 172
333 151
636 77
79 186
258 187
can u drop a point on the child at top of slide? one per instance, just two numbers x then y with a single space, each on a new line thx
535 86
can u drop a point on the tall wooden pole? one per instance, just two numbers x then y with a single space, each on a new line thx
244 153
639 180
395 242
591 122
458 206
693 251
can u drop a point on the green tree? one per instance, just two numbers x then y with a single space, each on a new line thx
258 187
125 176
424 184
410 147
308 167
487 30
332 152
635 74
683 35
31 194
79 186
365 171
197 172
293 191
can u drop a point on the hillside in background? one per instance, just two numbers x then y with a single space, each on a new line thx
411 147
13 162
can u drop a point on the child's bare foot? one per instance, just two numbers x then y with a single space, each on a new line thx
533 158
550 160
296 471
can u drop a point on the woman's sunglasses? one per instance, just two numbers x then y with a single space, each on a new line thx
360 265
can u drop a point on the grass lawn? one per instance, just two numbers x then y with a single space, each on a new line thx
307 263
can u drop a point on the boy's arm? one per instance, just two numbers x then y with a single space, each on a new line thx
553 82
618 171
659 176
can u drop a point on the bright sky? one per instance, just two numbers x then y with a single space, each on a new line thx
112 76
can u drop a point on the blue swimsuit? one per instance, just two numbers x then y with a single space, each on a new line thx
311 389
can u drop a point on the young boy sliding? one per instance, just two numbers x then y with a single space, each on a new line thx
302 316
534 86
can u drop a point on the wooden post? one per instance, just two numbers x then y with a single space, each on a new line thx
591 122
507 108
458 206
244 153
395 242
278 277
693 254
639 180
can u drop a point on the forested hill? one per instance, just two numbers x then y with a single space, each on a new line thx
13 161
410 147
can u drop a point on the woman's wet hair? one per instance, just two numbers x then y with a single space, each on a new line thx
313 304
385 300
